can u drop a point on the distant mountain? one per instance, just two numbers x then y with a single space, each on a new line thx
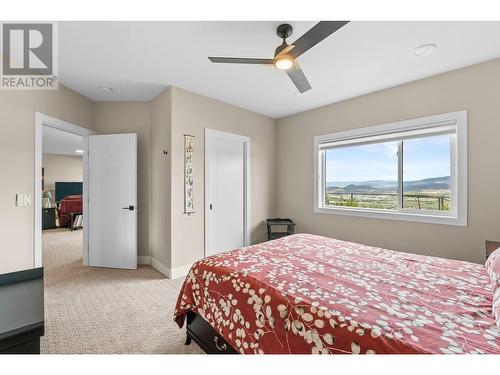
436 183
373 183
381 186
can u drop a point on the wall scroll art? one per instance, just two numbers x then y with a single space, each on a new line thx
188 174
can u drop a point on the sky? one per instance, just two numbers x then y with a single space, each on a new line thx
422 158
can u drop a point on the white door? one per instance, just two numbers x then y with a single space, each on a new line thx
226 192
112 185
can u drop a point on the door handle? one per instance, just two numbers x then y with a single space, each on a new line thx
130 208
211 206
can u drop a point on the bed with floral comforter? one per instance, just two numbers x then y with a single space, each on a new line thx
311 294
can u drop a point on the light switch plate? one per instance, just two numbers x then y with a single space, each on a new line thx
27 199
19 200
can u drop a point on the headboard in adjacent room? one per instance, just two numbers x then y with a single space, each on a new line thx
64 189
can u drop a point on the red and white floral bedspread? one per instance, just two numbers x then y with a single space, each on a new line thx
311 294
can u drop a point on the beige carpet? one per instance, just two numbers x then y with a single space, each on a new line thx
97 310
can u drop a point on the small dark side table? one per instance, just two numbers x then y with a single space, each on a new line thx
21 312
491 246
274 224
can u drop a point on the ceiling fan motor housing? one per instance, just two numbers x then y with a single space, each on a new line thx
284 30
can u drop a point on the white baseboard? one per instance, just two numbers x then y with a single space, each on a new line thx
171 273
181 271
160 267
144 259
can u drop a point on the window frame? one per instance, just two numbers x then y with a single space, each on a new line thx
426 125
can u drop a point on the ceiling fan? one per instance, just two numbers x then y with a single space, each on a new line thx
285 55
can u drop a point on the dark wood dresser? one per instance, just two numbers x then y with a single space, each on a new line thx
49 218
21 312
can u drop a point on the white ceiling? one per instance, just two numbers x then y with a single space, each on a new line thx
139 59
55 141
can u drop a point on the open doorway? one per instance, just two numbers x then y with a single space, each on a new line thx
108 220
61 169
62 195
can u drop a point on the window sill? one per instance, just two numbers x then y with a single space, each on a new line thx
394 215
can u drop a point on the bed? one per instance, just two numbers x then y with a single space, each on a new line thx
311 294
69 201
68 207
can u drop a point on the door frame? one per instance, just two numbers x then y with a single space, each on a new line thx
42 120
246 183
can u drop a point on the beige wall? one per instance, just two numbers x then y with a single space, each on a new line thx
161 126
191 114
132 117
173 240
475 89
285 188
17 130
61 168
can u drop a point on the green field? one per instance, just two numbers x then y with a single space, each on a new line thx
420 200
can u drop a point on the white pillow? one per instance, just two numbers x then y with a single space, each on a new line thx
493 268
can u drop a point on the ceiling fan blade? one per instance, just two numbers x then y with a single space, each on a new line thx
238 60
315 35
299 78
283 51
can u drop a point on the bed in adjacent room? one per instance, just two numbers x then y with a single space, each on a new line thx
311 294
69 202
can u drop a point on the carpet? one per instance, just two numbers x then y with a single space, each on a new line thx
92 310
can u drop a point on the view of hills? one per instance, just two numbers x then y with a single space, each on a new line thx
381 186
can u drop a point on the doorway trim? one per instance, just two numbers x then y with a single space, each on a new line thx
246 182
42 120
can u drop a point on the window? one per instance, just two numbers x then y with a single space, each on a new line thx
409 170
426 173
364 176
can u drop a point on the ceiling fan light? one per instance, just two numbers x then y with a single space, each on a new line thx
283 63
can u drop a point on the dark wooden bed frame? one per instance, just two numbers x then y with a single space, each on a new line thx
207 338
